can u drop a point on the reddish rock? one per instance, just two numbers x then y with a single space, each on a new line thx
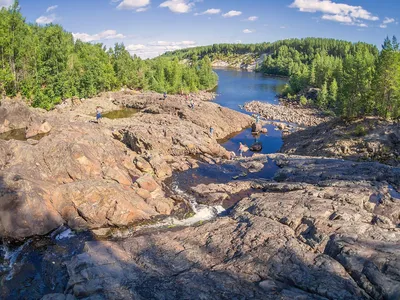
147 182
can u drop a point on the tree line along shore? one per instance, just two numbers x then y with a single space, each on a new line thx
44 65
352 79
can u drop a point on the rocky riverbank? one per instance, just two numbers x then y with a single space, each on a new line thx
291 113
296 227
364 139
324 229
93 175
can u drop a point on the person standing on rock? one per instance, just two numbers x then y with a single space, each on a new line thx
241 149
257 119
165 96
211 131
98 113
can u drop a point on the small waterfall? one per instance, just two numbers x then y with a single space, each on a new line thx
10 257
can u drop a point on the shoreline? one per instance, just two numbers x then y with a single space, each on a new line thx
283 112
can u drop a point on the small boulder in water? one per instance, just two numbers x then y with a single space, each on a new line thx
256 147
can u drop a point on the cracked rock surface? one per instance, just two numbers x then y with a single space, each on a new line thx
307 235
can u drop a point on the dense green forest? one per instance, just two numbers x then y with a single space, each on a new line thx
45 65
354 78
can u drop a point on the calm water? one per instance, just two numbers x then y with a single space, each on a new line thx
120 114
237 87
19 135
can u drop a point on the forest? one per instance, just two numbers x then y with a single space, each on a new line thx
353 79
44 65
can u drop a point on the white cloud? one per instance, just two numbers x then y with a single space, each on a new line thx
6 3
211 11
232 13
143 9
157 48
167 44
135 47
178 6
338 18
388 20
248 31
282 27
105 35
46 19
51 8
252 18
132 4
338 12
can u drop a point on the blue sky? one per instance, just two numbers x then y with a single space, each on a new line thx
150 27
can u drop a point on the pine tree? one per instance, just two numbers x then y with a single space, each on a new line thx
322 99
387 80
312 79
333 93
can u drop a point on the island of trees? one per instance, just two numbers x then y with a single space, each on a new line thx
353 79
45 65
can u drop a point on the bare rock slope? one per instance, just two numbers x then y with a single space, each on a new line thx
363 139
315 233
91 175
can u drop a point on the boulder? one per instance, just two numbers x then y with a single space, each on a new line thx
35 129
256 147
16 115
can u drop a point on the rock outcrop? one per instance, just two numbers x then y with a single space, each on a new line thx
80 176
92 176
315 233
363 139
16 115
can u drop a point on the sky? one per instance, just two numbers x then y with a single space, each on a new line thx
150 27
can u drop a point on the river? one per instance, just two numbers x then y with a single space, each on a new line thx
235 88
35 268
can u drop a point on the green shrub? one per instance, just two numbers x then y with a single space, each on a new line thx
360 130
303 100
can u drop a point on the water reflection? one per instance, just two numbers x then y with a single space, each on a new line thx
120 114
271 141
19 135
237 87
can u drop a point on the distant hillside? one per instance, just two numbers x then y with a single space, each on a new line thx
283 57
353 79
